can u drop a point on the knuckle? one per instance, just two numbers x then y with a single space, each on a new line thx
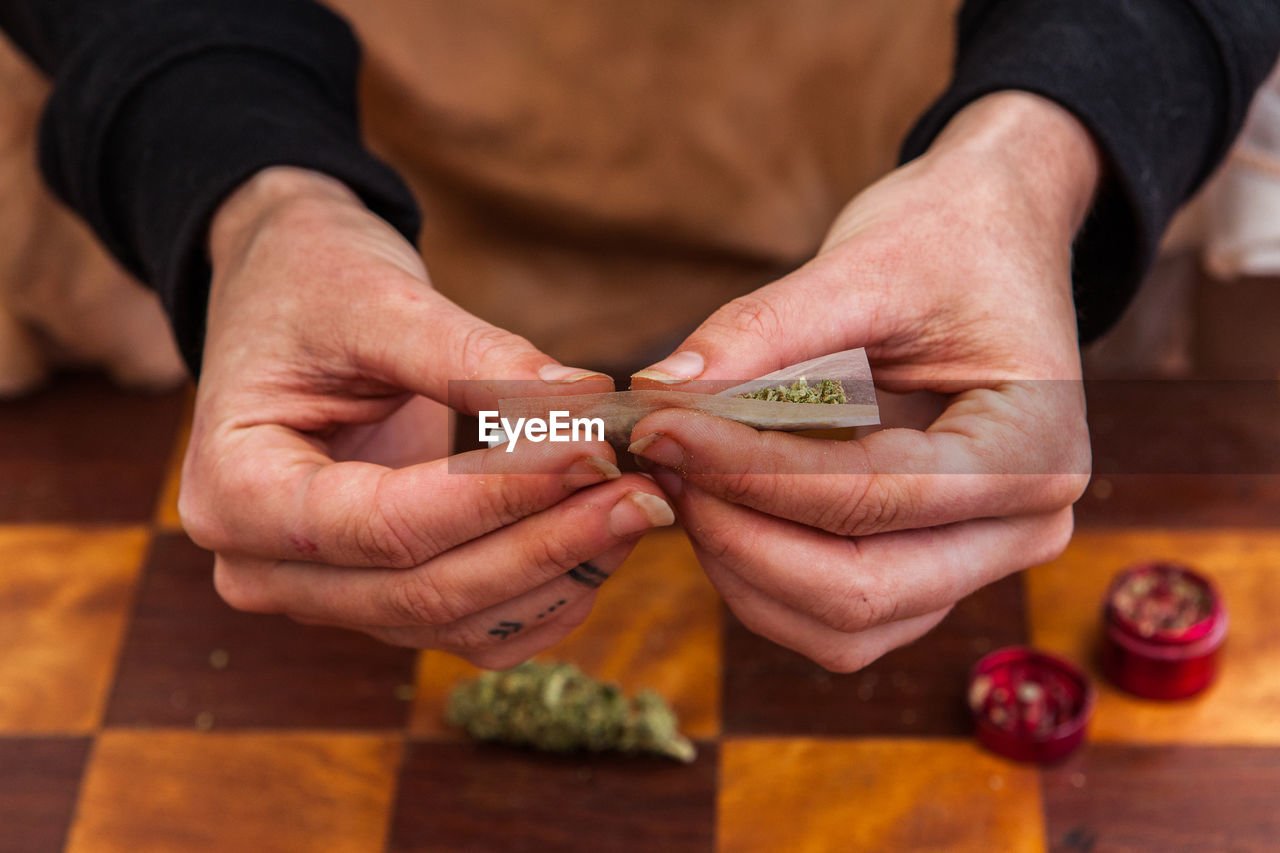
237 590
754 316
722 546
744 486
464 637
483 344
215 504
745 609
872 509
842 658
1066 488
1065 456
198 520
197 510
855 599
1080 461
1057 536
240 483
856 609
386 539
844 617
1077 448
510 502
418 600
734 546
551 551
381 545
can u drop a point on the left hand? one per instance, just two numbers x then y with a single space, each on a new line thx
315 470
955 273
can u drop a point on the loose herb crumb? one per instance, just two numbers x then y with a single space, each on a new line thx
829 391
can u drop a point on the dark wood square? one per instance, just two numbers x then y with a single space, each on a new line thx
1176 453
1180 500
488 797
917 690
189 659
39 778
1164 799
1185 426
83 451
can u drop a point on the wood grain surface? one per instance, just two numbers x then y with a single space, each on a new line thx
815 796
1243 707
283 791
65 596
138 712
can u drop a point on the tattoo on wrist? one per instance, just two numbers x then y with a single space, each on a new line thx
588 574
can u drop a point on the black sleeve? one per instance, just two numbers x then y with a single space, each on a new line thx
160 108
1163 85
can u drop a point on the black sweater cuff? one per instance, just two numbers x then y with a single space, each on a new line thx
154 121
1162 92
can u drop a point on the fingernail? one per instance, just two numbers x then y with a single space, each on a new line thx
680 367
638 512
669 481
588 471
559 374
661 448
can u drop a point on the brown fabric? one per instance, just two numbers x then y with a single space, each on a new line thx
63 300
599 175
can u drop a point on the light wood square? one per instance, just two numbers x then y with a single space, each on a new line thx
65 598
167 790
1243 706
809 795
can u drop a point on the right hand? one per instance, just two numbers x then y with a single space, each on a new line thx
315 469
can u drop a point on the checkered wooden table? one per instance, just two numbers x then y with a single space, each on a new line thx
137 712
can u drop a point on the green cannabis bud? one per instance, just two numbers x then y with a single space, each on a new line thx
555 707
827 391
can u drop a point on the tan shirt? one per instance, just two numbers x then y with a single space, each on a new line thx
628 167
597 175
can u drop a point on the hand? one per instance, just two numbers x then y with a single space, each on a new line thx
955 273
327 358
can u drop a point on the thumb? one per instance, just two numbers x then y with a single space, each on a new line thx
436 349
812 312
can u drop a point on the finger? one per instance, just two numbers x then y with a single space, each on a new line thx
831 649
426 344
777 325
1019 449
519 648
505 657
852 584
510 622
466 580
267 491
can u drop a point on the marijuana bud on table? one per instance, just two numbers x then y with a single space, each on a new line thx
827 391
555 707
